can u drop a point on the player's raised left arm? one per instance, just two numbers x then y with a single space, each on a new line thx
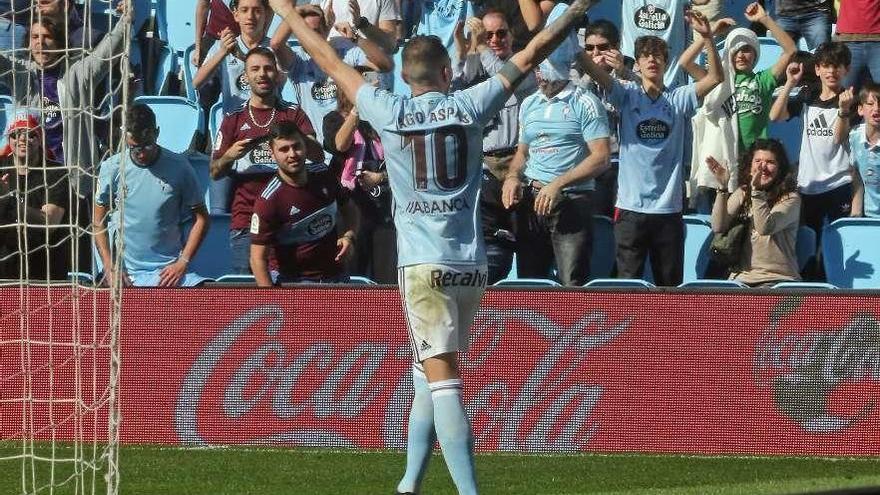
543 44
347 79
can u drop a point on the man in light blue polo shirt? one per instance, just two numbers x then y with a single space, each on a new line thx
152 195
653 119
864 144
554 218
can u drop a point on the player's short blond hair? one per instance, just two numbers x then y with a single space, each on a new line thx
424 57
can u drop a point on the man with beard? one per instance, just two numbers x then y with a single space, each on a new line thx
242 151
296 215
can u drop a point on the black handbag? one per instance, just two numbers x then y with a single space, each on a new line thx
726 248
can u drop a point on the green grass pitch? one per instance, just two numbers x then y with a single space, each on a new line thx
159 470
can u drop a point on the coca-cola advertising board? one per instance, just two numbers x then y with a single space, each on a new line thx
547 371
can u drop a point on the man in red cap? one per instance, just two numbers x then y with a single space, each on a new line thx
34 192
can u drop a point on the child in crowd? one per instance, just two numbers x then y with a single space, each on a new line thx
652 141
864 144
228 54
824 179
737 112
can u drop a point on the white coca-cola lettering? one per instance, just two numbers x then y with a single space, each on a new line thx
804 369
550 412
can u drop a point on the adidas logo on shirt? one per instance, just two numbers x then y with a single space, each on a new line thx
819 127
245 127
294 210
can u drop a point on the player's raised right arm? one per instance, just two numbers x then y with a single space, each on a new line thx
543 44
347 79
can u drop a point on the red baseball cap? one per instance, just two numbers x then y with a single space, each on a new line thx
27 121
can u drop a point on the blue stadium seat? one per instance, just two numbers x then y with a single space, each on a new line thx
215 119
7 115
697 239
715 284
359 280
533 282
633 283
179 120
236 279
81 278
805 286
189 72
770 53
790 133
219 190
806 246
176 23
214 258
850 254
606 9
201 164
602 259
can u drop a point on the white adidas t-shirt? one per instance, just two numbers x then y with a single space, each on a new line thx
824 165
373 10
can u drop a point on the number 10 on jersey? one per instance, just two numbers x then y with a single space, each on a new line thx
444 144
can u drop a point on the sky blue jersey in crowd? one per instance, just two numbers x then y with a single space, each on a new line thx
555 130
433 150
865 158
159 199
652 142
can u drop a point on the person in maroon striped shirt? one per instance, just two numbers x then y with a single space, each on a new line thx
296 216
241 148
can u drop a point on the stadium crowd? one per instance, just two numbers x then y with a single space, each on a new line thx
664 108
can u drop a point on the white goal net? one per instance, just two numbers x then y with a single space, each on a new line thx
63 66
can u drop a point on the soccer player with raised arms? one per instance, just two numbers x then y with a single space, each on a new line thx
433 148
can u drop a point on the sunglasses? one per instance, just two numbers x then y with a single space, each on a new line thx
601 47
140 148
16 134
501 33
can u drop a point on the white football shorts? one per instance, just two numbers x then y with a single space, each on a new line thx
439 302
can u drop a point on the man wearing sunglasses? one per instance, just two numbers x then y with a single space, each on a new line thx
33 191
493 43
153 193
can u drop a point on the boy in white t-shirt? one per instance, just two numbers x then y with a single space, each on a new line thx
824 179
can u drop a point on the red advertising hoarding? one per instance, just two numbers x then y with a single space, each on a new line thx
548 371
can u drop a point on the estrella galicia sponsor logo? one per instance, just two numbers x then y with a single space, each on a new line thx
652 18
804 370
323 92
437 207
262 155
320 225
819 127
652 130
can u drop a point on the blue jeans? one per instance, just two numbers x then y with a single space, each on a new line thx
815 27
499 258
564 236
865 60
240 246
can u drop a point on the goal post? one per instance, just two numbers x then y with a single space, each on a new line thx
64 90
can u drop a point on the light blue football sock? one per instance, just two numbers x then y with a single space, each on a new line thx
420 437
454 433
